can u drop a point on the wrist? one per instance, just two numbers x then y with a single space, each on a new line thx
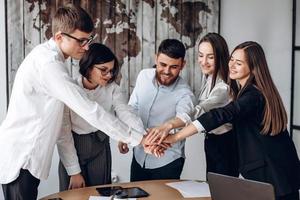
175 138
169 126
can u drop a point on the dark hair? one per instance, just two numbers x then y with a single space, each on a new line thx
172 48
71 17
275 117
98 54
221 55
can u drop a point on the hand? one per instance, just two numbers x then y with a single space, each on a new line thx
156 150
123 147
170 139
76 181
158 134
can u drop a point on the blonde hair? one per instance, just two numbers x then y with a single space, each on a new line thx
69 18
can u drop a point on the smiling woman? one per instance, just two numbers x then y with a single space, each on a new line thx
266 152
99 69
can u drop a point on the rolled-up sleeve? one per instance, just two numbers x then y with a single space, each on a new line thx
185 107
218 97
125 112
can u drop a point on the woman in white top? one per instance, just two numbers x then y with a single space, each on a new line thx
99 69
220 143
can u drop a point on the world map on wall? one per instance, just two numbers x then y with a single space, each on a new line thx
120 22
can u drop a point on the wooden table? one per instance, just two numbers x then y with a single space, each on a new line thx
157 189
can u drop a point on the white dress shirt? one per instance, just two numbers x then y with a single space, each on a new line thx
210 98
113 100
157 104
33 122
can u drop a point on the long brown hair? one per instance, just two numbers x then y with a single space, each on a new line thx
275 117
221 55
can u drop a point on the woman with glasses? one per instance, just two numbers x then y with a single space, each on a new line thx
99 69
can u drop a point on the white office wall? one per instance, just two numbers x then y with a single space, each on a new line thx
2 63
2 69
268 22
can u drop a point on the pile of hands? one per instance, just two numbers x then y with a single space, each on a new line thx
155 141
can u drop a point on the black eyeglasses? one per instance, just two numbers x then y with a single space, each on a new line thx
82 42
105 72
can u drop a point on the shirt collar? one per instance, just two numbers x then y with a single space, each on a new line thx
55 47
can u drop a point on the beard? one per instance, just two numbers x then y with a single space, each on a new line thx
165 79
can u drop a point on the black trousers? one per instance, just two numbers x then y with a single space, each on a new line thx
221 154
25 187
291 196
170 171
94 154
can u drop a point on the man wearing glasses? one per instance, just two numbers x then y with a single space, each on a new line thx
42 88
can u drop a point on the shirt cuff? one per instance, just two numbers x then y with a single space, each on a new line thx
198 126
72 170
184 117
135 137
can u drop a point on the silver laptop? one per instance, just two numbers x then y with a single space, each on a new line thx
231 188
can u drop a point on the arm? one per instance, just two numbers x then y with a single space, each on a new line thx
162 131
182 134
246 105
58 84
67 152
125 112
184 110
218 97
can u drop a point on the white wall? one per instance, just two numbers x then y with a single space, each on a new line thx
2 69
268 22
2 63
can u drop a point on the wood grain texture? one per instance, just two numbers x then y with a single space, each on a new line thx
133 29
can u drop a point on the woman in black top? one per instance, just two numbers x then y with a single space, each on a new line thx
266 152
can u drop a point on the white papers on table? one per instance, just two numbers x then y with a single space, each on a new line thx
191 188
105 198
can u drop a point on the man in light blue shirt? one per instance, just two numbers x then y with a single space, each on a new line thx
164 101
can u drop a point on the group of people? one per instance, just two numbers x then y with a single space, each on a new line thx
238 109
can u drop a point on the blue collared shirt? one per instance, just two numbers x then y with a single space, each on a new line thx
156 104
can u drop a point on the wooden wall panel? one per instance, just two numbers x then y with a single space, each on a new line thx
32 35
15 37
133 29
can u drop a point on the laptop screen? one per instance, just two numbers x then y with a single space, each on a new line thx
224 187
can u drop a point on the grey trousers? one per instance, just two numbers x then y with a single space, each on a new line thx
25 187
94 154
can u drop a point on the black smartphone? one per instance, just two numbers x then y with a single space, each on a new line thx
108 191
57 198
134 192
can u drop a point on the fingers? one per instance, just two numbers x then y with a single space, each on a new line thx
123 148
76 185
165 145
152 136
156 150
163 136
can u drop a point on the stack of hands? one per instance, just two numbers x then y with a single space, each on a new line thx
155 141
